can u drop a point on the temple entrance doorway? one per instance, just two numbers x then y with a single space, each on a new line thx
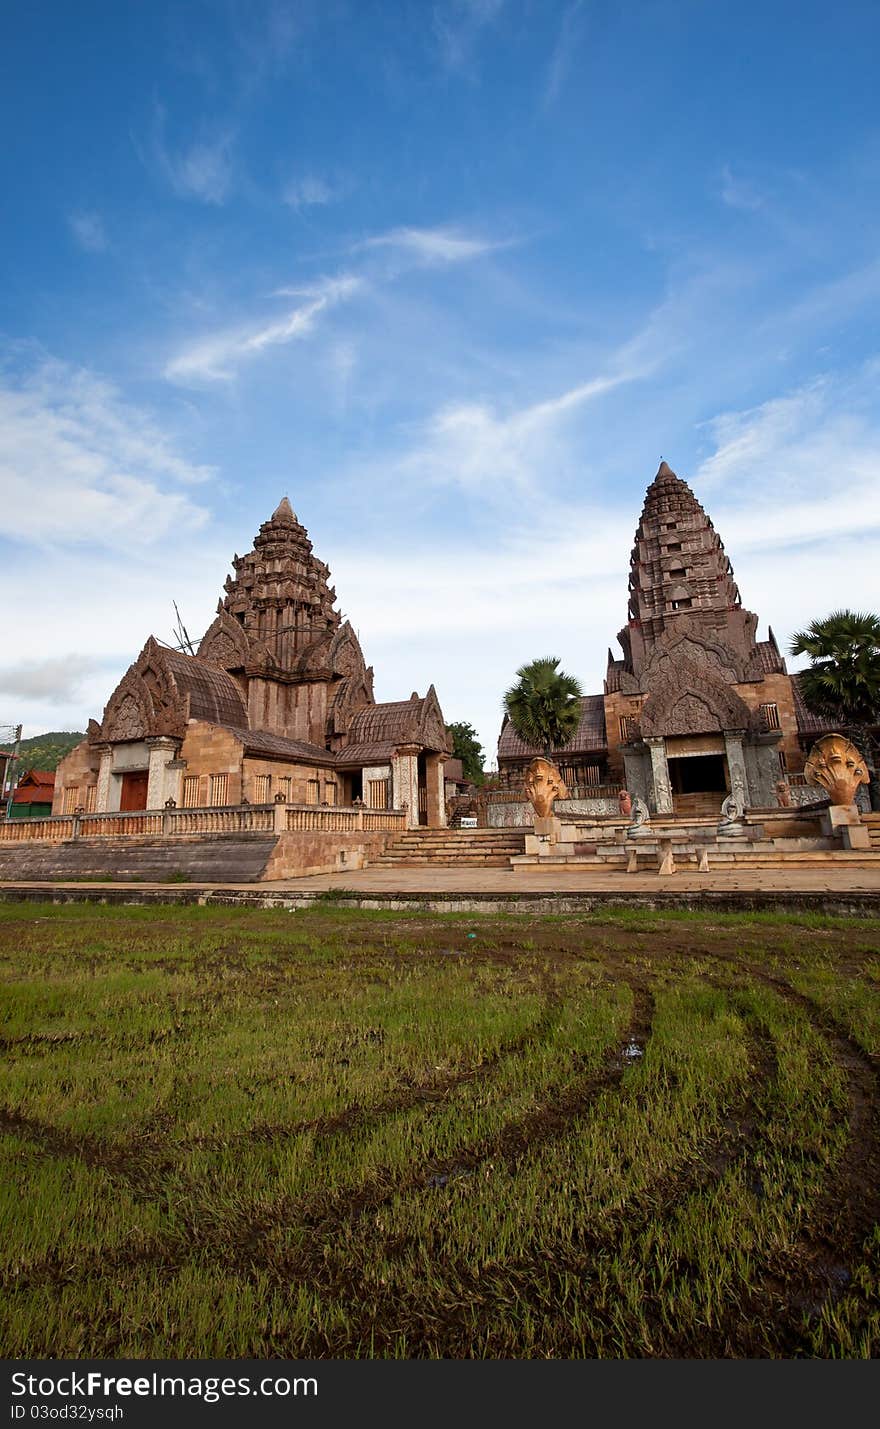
134 791
699 783
423 789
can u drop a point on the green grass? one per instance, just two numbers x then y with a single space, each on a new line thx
229 1132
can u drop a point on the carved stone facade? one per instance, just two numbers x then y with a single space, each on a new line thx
278 701
697 708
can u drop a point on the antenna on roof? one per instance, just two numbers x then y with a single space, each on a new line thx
182 641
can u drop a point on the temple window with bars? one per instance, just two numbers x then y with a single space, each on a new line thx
219 788
377 793
262 788
313 791
770 716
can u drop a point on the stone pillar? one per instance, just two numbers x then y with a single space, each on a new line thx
660 772
405 781
635 774
162 751
436 792
736 764
102 795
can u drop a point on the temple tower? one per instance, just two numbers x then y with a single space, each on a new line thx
678 568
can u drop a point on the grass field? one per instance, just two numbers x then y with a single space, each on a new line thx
229 1132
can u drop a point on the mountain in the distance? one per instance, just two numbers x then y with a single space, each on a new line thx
45 751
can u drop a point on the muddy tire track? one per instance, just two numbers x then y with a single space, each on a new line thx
321 1216
542 1282
820 1267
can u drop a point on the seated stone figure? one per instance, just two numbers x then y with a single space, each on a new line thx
836 765
543 785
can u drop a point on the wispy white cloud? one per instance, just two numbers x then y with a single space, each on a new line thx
567 41
201 169
457 28
472 446
310 191
87 228
217 356
80 465
738 192
811 457
434 246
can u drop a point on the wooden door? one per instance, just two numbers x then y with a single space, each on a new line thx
134 791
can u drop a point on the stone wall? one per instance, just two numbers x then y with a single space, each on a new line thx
313 851
209 749
79 767
522 815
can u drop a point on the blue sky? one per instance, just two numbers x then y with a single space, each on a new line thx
454 277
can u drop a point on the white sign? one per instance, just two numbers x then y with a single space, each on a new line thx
468 823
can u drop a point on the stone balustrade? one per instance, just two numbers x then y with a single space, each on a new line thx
228 819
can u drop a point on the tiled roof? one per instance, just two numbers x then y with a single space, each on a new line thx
589 737
613 674
396 721
213 694
35 777
275 746
809 723
379 752
454 772
771 661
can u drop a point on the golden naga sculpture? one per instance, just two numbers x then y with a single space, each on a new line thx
836 765
544 784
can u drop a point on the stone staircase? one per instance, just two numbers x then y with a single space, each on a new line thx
770 839
697 806
453 848
873 823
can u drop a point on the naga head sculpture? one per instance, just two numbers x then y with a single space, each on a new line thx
836 765
544 784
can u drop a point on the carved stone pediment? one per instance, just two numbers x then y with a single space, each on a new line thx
432 728
686 645
691 698
145 702
225 643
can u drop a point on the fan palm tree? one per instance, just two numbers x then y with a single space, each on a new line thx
544 706
842 682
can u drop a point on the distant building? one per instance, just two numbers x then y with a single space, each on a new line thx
697 703
278 702
33 794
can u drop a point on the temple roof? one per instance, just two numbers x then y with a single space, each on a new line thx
284 511
376 731
213 695
589 737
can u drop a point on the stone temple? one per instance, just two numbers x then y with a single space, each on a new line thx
276 705
698 706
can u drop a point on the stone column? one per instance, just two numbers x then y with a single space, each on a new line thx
660 772
736 764
635 773
162 751
102 795
436 792
405 781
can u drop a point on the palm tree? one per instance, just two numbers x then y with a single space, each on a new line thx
842 682
544 706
